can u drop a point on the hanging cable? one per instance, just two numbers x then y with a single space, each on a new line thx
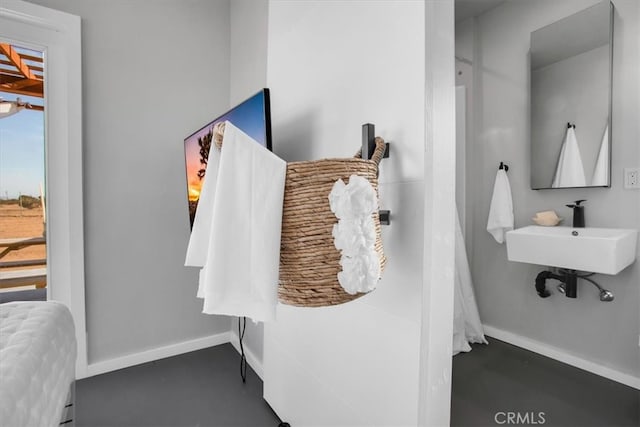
243 359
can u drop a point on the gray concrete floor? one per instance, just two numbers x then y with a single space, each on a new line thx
202 388
493 380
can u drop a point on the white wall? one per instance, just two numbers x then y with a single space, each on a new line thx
605 334
333 66
152 73
248 25
439 216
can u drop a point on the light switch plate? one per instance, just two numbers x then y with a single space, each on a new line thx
631 178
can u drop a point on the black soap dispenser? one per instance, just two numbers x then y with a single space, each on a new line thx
578 214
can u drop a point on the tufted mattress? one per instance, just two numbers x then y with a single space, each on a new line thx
37 362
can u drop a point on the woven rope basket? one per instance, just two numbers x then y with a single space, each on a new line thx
309 260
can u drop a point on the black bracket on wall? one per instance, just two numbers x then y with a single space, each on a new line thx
368 147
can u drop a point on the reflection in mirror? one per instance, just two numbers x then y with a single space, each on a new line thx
571 100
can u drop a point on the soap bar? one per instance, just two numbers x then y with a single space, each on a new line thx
547 218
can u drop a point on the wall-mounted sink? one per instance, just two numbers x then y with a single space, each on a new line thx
597 250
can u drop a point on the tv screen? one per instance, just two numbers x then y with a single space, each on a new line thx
252 116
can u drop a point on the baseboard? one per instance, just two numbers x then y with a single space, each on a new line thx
157 354
252 360
562 356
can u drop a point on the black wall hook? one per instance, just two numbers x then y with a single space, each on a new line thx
503 166
368 147
571 125
369 142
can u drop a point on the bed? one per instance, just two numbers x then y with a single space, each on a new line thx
37 364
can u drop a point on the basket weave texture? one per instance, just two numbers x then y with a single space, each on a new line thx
309 260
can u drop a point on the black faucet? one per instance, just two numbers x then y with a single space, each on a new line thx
578 214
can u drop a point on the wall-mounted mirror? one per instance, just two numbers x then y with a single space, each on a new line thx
571 100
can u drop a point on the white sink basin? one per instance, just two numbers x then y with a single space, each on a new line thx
597 250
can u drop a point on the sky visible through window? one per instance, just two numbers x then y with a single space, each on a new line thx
21 150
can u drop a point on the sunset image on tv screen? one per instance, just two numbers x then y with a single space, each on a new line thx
251 117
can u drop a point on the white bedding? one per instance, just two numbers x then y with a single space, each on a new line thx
37 362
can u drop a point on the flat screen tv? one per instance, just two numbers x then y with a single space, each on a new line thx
252 116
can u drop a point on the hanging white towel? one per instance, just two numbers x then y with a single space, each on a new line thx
570 171
601 169
501 211
467 327
241 259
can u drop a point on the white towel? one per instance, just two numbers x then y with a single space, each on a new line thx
601 170
570 171
242 257
501 211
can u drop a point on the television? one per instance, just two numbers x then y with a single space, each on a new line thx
252 116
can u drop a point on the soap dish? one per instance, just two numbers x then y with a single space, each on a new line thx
547 218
